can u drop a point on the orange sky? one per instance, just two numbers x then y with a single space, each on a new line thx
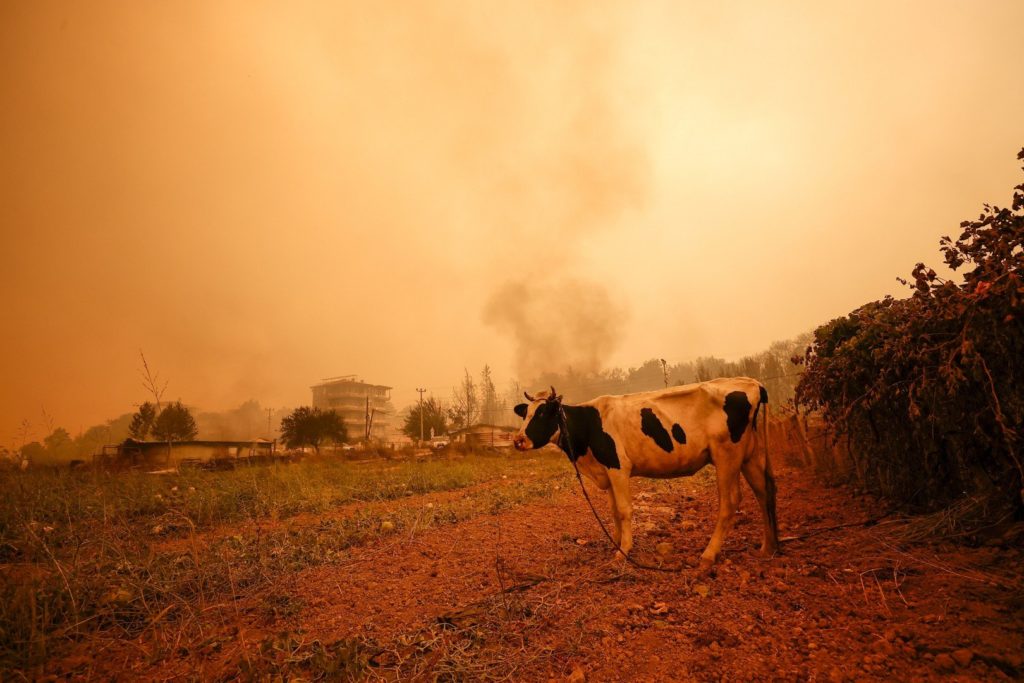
261 195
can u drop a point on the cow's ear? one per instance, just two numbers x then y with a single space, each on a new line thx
521 409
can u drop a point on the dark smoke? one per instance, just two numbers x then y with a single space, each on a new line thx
557 323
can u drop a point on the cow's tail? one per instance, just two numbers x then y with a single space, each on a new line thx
769 478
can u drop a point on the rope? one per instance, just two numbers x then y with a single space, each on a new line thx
572 458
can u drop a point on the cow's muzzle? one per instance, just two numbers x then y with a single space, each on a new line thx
521 443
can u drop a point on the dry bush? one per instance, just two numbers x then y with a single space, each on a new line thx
926 394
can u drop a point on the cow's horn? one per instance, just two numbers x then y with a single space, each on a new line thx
554 395
528 397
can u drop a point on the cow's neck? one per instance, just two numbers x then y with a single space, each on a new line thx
577 435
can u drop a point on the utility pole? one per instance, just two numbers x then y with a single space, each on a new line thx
664 371
421 412
270 411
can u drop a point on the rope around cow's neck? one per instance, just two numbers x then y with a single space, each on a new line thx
564 429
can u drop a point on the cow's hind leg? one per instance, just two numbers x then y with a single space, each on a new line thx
727 461
758 474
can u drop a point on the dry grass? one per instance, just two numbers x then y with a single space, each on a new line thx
135 554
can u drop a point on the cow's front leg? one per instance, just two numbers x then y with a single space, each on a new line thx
622 508
616 518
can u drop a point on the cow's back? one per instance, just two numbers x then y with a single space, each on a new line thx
672 432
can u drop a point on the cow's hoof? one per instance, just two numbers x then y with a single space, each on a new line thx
705 567
768 552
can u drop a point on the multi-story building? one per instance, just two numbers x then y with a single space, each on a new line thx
359 404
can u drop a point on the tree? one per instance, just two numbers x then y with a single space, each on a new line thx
59 445
490 405
307 426
33 452
175 423
434 418
142 421
464 409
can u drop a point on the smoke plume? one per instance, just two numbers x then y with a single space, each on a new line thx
557 323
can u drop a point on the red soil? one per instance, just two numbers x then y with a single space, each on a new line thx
848 604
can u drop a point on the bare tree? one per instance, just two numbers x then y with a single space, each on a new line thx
151 382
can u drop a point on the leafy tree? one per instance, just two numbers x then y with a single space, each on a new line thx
59 445
34 452
243 422
142 421
434 418
175 423
94 438
307 426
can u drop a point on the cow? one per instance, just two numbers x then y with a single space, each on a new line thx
662 434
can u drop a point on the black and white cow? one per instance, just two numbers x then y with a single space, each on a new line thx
663 434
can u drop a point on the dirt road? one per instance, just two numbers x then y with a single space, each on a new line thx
531 594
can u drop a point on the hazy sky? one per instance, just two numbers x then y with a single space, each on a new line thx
260 195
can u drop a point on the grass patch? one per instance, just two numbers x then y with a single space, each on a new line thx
88 551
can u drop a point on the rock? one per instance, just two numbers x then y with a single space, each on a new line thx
659 623
688 525
659 608
702 590
577 675
836 676
663 548
387 526
635 607
962 657
944 662
582 541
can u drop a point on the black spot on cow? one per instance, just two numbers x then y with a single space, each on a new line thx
737 414
586 431
764 395
678 434
652 427
521 410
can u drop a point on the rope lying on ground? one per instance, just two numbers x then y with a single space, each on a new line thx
814 532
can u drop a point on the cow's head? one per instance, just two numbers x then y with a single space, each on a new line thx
541 419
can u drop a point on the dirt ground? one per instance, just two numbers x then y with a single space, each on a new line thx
531 593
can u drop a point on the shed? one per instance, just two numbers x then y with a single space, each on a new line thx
134 453
484 435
